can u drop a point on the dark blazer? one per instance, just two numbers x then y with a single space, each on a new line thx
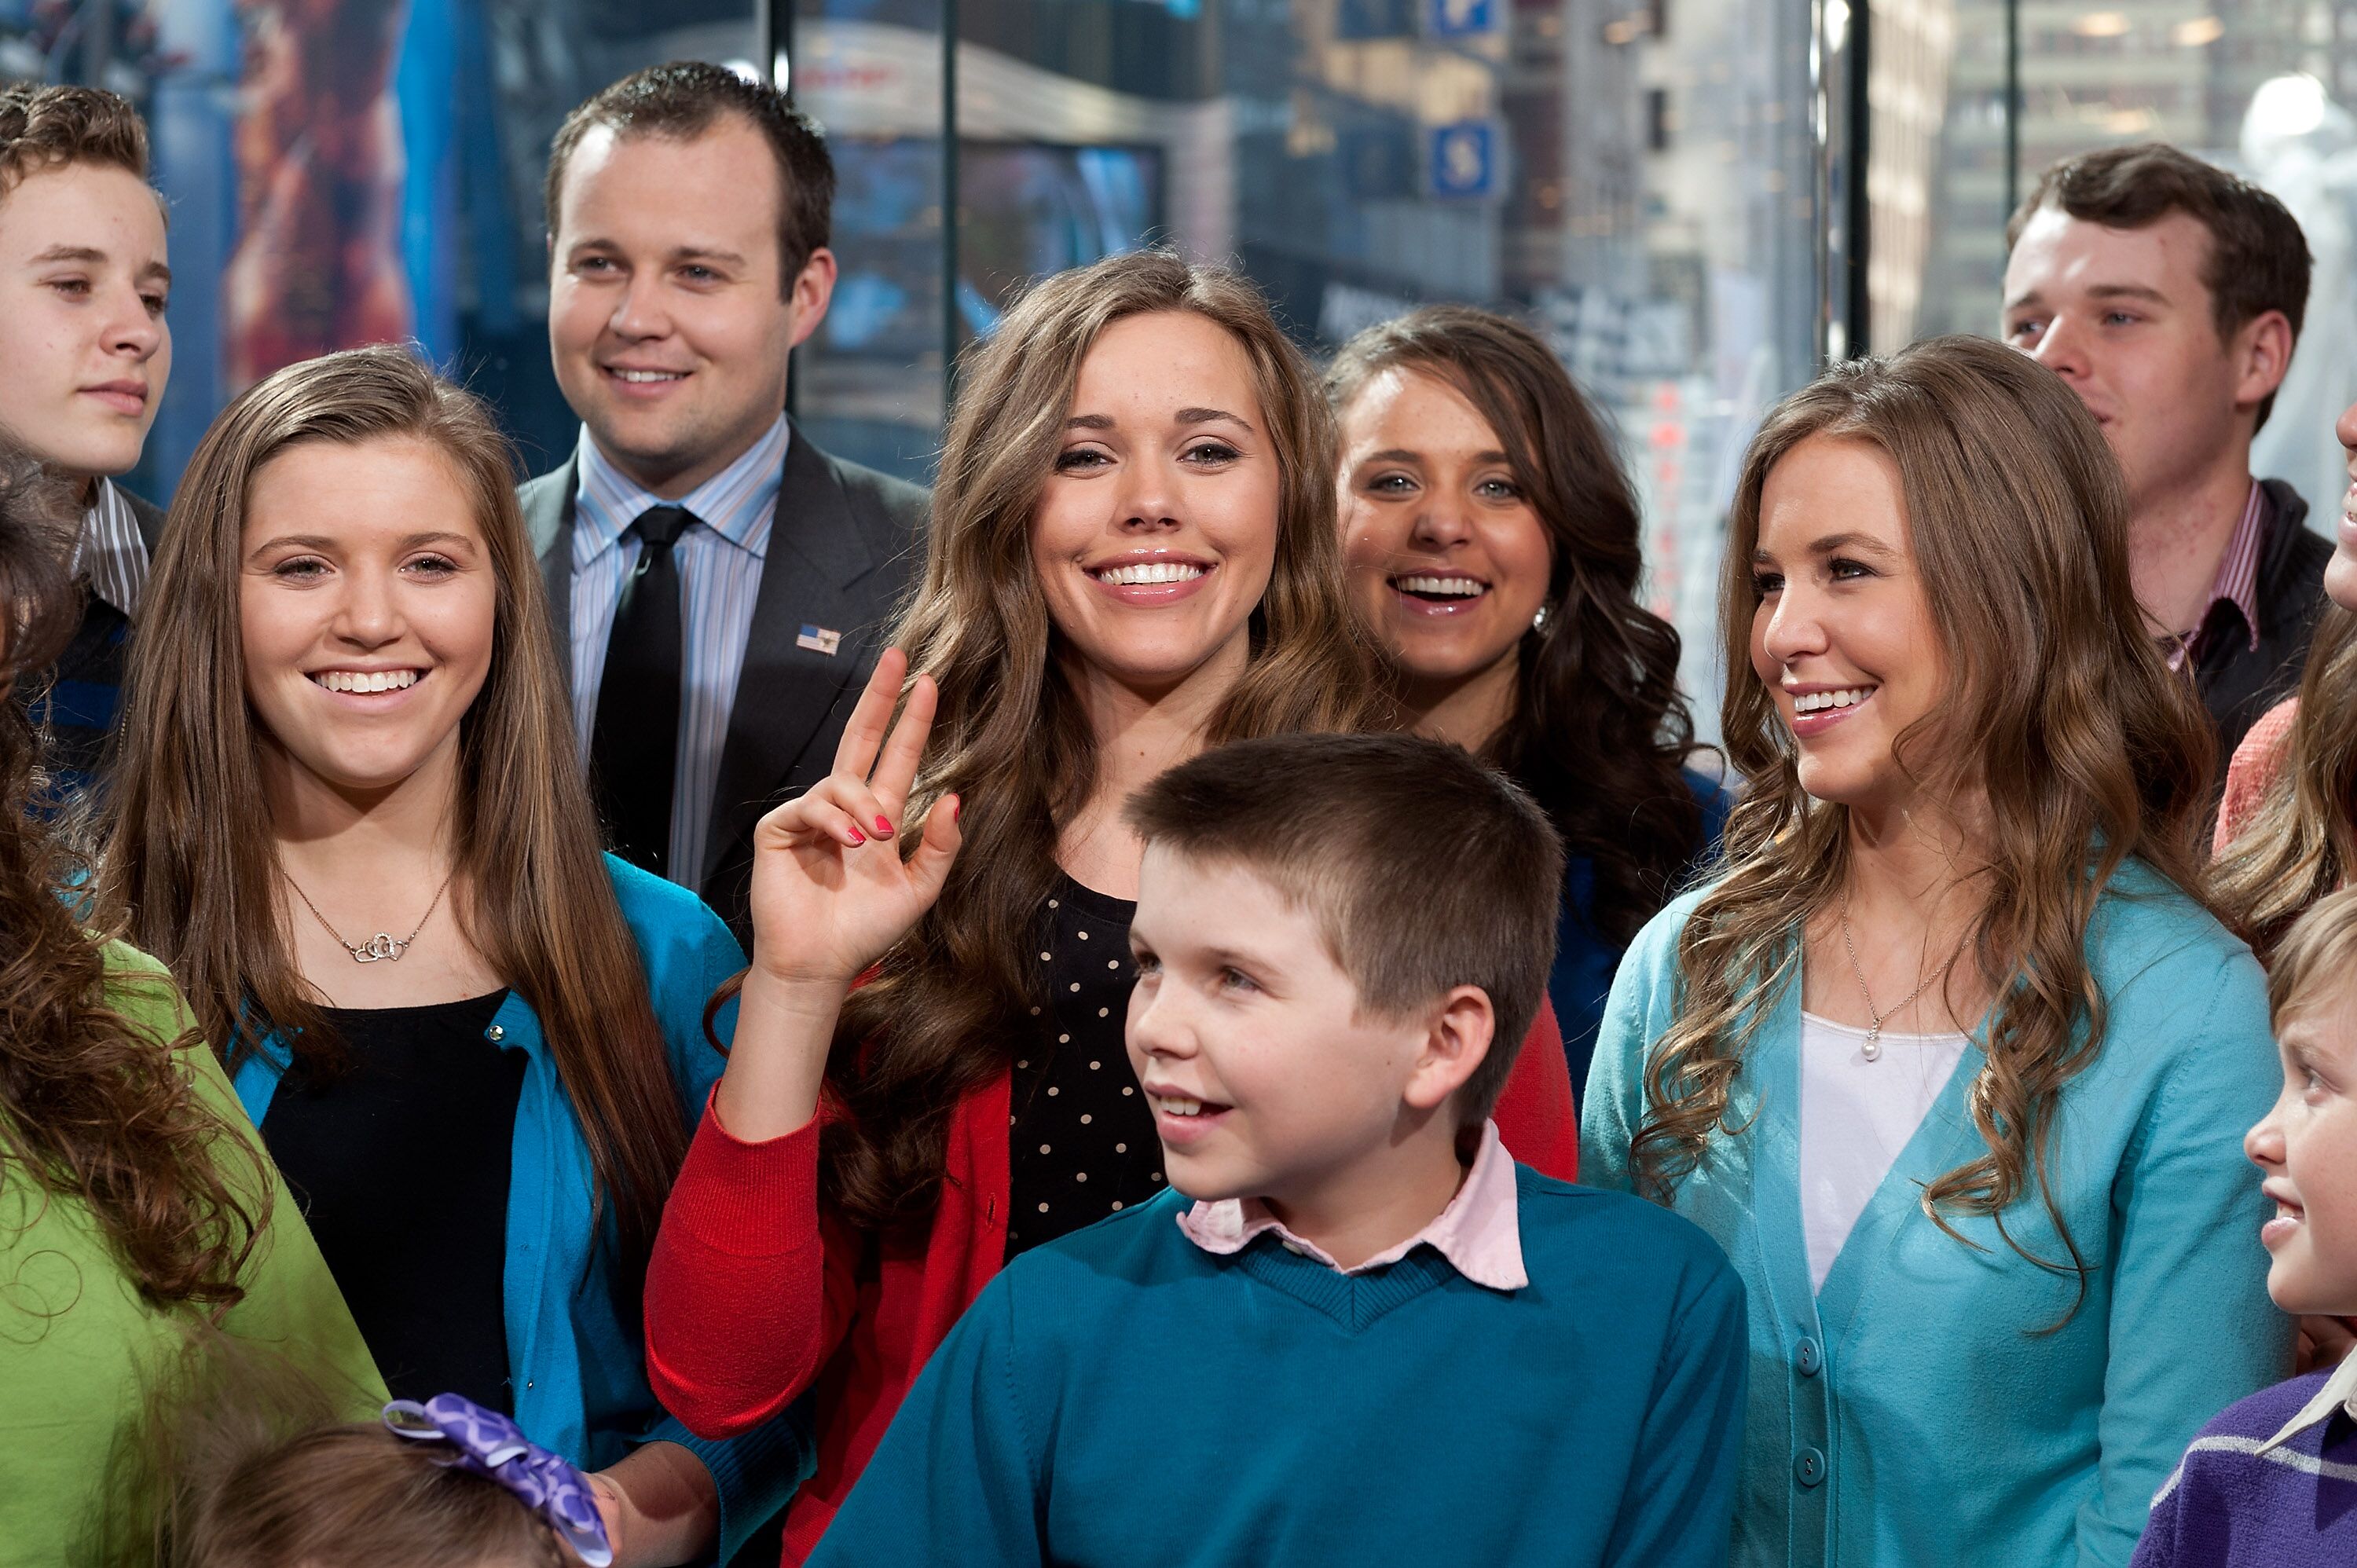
83 701
2238 682
843 543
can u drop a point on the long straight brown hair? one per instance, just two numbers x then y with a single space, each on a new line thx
2090 752
188 860
953 1002
1600 731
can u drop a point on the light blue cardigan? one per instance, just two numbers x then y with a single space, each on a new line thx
1912 1412
577 1361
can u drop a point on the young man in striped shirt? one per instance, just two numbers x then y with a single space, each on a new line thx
2167 294
88 351
2272 1483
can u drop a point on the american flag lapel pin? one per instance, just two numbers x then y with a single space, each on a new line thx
820 640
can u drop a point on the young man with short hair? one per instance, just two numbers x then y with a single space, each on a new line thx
721 582
2168 294
86 353
1353 1329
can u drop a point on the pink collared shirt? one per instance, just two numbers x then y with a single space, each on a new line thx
2237 581
1478 1232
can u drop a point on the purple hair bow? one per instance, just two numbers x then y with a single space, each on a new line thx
490 1444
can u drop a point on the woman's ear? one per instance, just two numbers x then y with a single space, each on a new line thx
1456 1042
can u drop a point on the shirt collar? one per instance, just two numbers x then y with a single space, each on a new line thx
2237 581
2339 1392
1480 1233
110 552
736 504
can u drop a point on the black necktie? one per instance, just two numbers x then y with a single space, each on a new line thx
636 737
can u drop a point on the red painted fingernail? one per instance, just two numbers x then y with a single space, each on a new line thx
883 828
857 837
956 806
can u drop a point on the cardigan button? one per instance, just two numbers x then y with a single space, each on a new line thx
495 1033
1808 1358
1808 1466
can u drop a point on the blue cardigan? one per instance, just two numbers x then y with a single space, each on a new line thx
575 1357
1586 959
1914 1412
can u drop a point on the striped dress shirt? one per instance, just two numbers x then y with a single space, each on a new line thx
110 552
719 558
2237 583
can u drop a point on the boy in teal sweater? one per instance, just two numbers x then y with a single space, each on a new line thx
1353 1330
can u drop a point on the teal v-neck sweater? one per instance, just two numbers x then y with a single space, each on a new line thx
1913 1414
1122 1397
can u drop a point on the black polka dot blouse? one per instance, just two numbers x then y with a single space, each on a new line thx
1083 1140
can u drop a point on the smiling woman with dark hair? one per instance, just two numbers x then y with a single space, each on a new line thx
1132 557
1492 544
134 1205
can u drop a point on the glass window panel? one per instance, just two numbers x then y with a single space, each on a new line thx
1634 178
424 222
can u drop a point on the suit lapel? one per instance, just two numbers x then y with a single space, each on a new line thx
816 553
547 503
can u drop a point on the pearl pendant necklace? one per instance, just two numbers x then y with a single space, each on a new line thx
1872 1050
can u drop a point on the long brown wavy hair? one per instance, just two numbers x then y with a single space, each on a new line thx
1599 732
2301 842
188 859
952 1003
2089 752
92 1106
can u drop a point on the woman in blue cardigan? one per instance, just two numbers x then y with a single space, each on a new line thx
348 814
1494 548
1948 1060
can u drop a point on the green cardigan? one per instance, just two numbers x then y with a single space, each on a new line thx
78 1344
1912 1414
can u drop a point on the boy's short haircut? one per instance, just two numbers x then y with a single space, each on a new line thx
2258 258
1425 869
46 127
2316 964
683 100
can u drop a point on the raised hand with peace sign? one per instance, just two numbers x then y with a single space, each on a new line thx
832 893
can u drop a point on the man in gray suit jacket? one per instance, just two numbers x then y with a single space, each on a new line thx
720 585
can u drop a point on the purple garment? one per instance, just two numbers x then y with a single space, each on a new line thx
2229 1505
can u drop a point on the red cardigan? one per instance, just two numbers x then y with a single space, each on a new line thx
755 1294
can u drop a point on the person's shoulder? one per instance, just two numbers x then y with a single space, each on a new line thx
142 989
1567 1225
2261 1415
663 916
544 499
907 505
1135 1249
2143 916
2257 759
1655 946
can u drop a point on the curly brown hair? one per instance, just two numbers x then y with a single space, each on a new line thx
952 1003
2090 751
94 1106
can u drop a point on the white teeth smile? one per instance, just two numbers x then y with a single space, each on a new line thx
367 680
1817 701
1448 587
635 376
1147 572
1178 1107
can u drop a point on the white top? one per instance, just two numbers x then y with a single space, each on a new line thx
1856 1115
